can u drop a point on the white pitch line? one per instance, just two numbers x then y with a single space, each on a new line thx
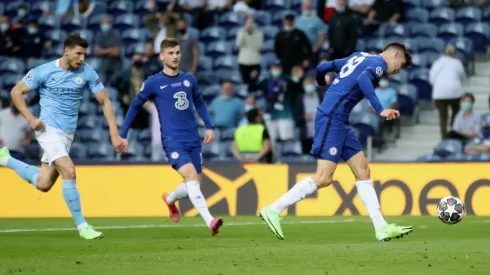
18 230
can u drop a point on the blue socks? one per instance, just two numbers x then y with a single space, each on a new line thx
72 199
27 172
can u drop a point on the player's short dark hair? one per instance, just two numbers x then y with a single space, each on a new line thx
169 43
74 40
252 115
470 96
404 49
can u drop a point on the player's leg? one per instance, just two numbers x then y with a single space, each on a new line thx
353 155
66 168
27 172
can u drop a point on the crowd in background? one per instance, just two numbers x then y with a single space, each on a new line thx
288 93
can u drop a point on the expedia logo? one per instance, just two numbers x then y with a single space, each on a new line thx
229 190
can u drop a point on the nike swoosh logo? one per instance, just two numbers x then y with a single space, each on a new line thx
163 87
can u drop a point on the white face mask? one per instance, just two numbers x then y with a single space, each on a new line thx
383 83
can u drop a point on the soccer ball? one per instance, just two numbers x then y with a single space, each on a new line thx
450 210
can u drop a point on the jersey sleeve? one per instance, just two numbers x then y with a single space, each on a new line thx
146 92
365 81
200 105
327 67
34 78
94 83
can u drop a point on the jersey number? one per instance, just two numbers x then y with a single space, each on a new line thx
351 65
182 103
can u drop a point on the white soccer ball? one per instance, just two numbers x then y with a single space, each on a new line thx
450 210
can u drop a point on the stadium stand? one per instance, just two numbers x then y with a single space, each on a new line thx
428 26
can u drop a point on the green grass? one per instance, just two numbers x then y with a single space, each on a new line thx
336 245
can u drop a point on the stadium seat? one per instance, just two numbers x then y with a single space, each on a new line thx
210 152
87 108
424 30
432 4
10 80
361 108
11 7
87 35
360 45
227 75
193 32
135 35
73 23
133 48
376 44
94 22
207 78
100 8
41 7
296 5
419 61
134 149
479 34
463 45
142 8
435 45
278 17
290 149
231 19
218 48
417 15
226 62
78 151
49 22
126 21
367 126
397 30
274 6
144 137
431 58
448 147
13 66
2 8
90 119
225 149
269 32
212 34
412 44
268 47
400 78
486 16
205 64
102 151
450 31
232 33
210 92
469 15
227 134
429 158
442 15
94 63
36 62
262 18
410 4
121 7
420 78
407 99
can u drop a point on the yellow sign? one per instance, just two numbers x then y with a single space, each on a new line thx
230 189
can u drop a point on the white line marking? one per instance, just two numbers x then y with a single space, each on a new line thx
18 230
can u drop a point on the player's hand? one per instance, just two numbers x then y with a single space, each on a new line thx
37 125
120 144
390 114
209 136
328 79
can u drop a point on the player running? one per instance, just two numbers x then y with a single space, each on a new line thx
335 139
175 94
61 84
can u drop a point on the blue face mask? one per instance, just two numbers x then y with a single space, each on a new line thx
383 83
32 30
21 12
310 89
295 79
466 105
248 108
276 73
4 27
105 27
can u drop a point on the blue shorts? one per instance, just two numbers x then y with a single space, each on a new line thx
180 154
334 139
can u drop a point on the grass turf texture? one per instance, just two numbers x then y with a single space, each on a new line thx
326 245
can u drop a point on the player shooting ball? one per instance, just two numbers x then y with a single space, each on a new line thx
335 138
175 94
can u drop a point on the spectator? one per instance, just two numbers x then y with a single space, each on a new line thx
243 7
218 6
279 100
446 76
342 34
466 124
9 38
188 48
306 108
22 18
250 103
108 46
361 7
226 109
481 144
313 27
388 98
326 9
15 131
129 83
249 41
252 142
196 8
83 8
151 61
157 152
162 33
383 13
292 46
33 42
330 75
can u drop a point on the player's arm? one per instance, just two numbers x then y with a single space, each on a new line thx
365 82
144 95
30 82
106 104
203 112
326 67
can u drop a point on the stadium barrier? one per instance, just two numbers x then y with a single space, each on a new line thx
231 189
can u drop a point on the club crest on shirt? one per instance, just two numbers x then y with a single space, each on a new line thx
78 79
379 71
187 83
174 155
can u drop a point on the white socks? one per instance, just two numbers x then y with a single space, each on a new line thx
179 193
198 200
368 196
300 190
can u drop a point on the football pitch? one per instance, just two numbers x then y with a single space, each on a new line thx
312 245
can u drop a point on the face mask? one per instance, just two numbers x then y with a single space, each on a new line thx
288 28
466 105
105 27
138 64
310 89
32 30
307 13
21 12
295 79
182 31
276 73
4 27
384 83
340 9
248 108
